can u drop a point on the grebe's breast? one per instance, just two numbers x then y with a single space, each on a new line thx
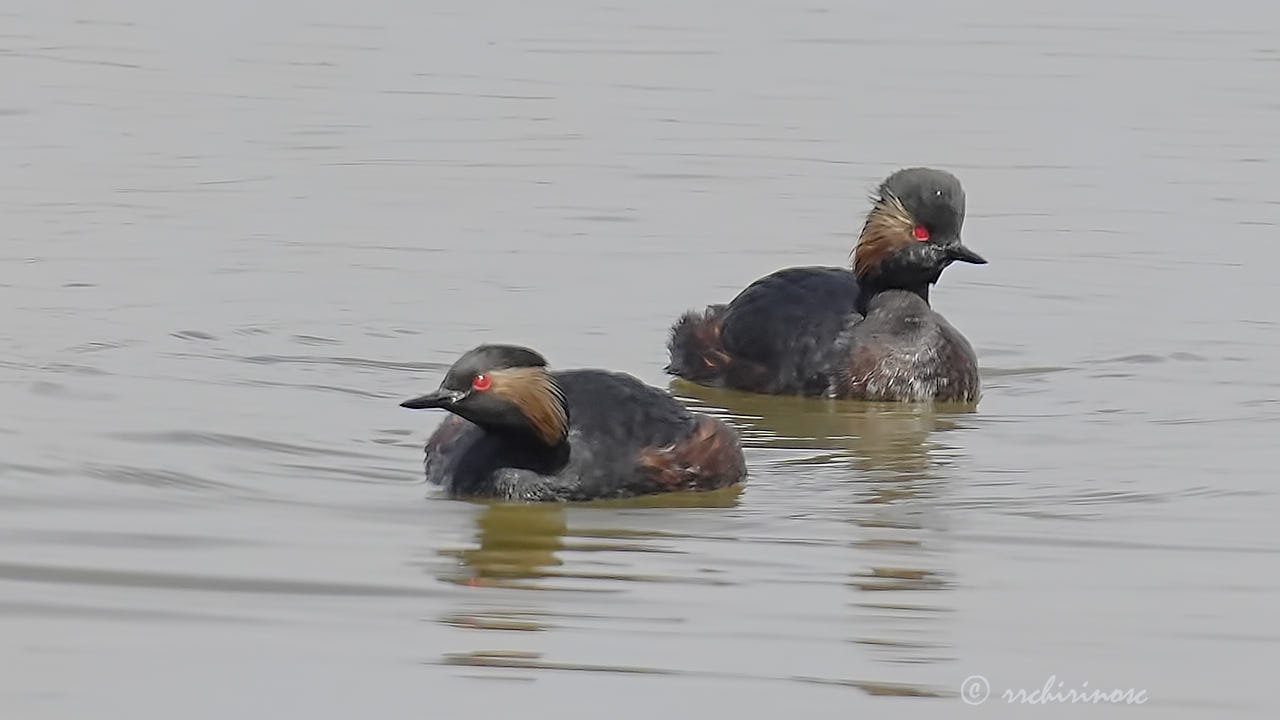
904 351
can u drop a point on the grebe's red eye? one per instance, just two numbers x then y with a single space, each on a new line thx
481 382
921 233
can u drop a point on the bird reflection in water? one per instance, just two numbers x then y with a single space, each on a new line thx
884 440
522 545
872 466
517 541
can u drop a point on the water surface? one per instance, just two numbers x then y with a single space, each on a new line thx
236 235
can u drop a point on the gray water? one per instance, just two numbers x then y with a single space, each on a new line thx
236 235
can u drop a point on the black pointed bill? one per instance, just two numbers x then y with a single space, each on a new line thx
964 254
437 399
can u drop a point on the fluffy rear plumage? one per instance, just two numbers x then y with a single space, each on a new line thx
707 458
695 346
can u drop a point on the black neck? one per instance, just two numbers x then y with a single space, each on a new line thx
523 449
868 289
507 421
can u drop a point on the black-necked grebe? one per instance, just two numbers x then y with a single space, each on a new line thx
522 432
868 334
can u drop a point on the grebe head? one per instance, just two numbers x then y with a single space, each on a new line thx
505 388
912 232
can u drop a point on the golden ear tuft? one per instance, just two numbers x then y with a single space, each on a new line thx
887 229
534 392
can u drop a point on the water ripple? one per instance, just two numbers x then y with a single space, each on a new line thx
240 442
207 583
